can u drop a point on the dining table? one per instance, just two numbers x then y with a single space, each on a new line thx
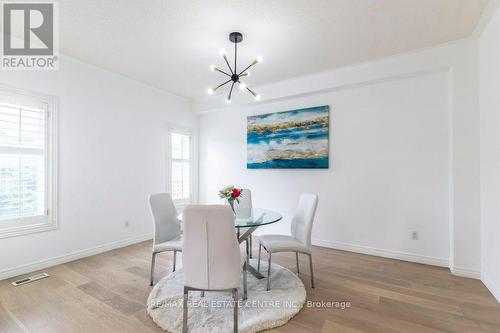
246 221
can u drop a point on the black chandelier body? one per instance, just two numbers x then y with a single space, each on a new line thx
234 76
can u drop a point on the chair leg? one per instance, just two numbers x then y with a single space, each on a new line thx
297 257
258 263
269 273
245 293
312 271
235 310
175 255
247 247
250 246
153 260
185 311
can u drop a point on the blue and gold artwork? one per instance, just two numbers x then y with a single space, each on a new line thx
295 139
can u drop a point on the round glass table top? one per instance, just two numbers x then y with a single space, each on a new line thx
252 217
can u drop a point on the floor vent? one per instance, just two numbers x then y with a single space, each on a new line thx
30 279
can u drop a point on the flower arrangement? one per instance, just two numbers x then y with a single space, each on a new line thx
231 194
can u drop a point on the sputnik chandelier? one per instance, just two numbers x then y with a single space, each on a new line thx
234 76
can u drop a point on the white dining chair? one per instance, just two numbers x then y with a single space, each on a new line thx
211 256
167 229
300 239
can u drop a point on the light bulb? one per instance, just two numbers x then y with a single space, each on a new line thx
210 91
212 68
257 97
222 52
227 100
243 86
257 60
247 73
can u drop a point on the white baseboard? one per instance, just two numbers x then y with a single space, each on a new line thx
492 287
406 256
465 272
41 264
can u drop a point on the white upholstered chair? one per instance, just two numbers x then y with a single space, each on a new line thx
167 233
300 239
211 256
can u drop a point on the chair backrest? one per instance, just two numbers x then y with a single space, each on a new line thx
210 252
164 214
243 208
304 217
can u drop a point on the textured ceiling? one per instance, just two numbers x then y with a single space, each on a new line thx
171 44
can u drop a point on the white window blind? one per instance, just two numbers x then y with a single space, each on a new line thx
22 162
180 166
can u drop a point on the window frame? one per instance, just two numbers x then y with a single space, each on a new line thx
14 96
181 203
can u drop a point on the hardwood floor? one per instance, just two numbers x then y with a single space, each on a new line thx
108 292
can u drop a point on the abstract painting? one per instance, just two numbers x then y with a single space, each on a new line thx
295 139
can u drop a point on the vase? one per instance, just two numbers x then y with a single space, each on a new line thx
231 203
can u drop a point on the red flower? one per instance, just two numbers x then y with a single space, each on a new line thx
236 193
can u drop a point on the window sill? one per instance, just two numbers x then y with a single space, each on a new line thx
27 229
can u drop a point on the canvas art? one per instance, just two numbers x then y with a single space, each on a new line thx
295 139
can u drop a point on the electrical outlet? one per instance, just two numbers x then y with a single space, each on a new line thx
126 223
414 235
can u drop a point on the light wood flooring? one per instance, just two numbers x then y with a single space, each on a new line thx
108 292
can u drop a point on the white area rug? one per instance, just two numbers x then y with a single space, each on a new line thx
214 313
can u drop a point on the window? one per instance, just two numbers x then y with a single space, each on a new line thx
27 178
181 166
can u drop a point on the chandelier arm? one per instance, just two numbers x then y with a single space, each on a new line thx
228 65
222 84
243 71
221 71
231 91
252 92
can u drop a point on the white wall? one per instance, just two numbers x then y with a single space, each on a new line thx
489 51
112 155
404 156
